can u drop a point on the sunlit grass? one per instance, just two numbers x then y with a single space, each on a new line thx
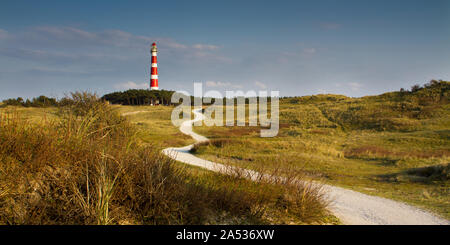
87 164
352 142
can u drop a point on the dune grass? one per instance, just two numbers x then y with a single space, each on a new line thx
396 145
32 115
87 164
154 126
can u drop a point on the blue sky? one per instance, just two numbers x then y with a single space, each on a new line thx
354 48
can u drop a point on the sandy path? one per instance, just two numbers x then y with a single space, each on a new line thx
351 207
132 113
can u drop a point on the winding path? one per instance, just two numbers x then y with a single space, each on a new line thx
349 206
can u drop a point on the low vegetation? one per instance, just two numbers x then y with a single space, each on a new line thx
85 163
153 125
395 145
82 162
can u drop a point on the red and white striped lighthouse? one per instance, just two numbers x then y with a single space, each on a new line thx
154 73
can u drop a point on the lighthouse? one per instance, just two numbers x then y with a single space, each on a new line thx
154 73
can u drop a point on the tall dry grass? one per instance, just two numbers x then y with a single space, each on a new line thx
284 186
89 167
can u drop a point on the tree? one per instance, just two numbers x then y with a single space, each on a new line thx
139 97
415 88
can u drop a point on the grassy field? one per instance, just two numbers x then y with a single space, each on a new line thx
395 145
154 125
86 164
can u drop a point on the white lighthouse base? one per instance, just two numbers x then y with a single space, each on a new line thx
154 88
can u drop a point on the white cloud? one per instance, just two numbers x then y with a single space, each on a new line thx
58 56
63 71
65 33
214 84
355 86
205 47
75 36
169 43
322 91
60 42
66 36
130 85
309 50
260 85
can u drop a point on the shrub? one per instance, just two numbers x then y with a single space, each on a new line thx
415 88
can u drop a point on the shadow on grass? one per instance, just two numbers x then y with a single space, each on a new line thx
426 175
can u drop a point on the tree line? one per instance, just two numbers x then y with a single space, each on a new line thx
148 97
140 97
41 101
129 97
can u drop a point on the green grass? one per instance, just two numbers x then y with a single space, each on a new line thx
382 145
155 127
394 145
33 115
86 164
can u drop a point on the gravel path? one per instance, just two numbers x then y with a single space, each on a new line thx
353 208
132 113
